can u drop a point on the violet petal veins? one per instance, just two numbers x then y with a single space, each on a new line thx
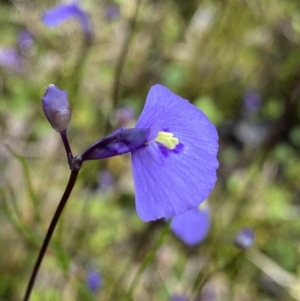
176 169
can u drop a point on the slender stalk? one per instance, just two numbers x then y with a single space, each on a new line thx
201 280
64 138
63 201
32 196
146 262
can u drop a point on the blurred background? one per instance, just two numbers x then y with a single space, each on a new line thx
237 60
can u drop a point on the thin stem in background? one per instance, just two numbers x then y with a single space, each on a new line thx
121 62
32 196
148 259
63 201
202 279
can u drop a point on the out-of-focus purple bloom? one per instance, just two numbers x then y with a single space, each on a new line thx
112 12
245 238
105 180
178 298
174 155
26 43
62 12
192 226
175 170
56 108
94 281
123 116
14 57
10 57
252 101
248 130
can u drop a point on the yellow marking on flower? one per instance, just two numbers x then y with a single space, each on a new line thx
167 139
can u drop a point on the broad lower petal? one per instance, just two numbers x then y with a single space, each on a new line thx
171 182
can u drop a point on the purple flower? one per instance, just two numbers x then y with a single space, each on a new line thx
10 57
112 12
62 12
174 148
94 281
252 101
178 298
192 226
105 180
244 239
175 170
123 116
14 57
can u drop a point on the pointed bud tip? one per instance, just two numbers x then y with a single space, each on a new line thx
56 108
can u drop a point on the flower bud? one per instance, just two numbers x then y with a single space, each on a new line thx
56 108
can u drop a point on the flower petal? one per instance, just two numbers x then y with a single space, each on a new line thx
192 226
168 183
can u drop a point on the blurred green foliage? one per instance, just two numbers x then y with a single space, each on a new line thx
210 52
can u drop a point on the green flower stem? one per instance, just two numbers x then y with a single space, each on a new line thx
58 212
148 259
201 279
32 196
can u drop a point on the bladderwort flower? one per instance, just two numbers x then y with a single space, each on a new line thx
174 155
63 12
174 152
192 226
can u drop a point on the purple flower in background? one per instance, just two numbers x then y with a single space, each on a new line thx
244 239
26 43
10 57
178 298
123 116
62 12
175 170
112 12
192 226
106 180
252 101
94 281
14 57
